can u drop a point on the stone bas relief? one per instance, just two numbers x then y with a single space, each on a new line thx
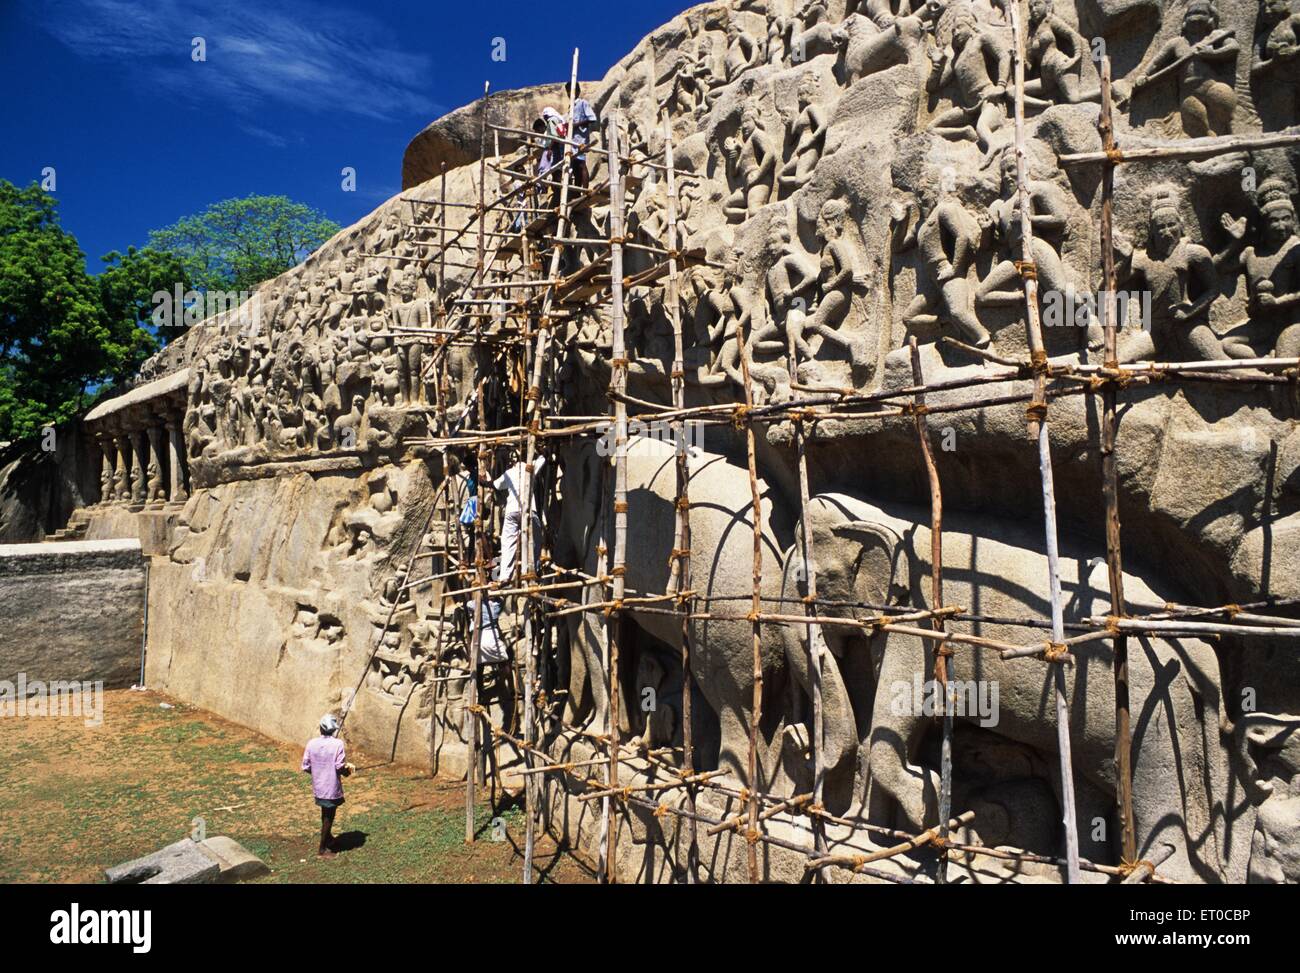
852 186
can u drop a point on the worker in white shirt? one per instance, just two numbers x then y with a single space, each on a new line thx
511 483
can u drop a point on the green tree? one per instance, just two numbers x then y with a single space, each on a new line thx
236 244
56 341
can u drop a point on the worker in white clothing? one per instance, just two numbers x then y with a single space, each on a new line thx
511 483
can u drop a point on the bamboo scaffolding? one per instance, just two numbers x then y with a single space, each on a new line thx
756 508
941 650
617 386
680 558
552 297
480 551
812 632
1039 425
534 404
1197 148
1110 476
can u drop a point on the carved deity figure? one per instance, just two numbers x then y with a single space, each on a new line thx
807 134
1059 70
1272 270
979 65
1182 282
752 160
1203 59
947 239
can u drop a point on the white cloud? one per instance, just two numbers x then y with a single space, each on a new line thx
301 54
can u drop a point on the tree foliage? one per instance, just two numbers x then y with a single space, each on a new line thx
236 244
56 341
65 334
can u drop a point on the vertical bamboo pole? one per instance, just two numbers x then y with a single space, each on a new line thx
813 633
480 549
618 389
1038 425
756 706
476 638
680 559
533 419
442 243
941 651
1110 477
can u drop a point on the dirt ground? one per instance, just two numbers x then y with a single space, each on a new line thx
76 799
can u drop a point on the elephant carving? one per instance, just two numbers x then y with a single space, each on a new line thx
721 561
1188 790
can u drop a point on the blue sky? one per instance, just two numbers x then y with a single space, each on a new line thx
140 134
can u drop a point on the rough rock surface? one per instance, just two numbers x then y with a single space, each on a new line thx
72 611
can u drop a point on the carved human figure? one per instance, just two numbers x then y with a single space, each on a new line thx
352 301
1203 59
752 162
742 52
1056 65
389 235
1272 270
947 239
1182 282
1273 70
979 65
410 313
807 34
738 314
807 134
1049 210
791 288
838 279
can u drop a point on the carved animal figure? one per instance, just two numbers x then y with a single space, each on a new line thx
1182 758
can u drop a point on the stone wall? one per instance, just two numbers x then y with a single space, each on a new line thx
72 611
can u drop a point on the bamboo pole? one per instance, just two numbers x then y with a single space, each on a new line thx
756 706
480 549
1198 148
534 404
680 558
618 384
1110 477
941 651
812 631
1039 425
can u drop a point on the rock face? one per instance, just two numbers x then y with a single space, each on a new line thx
852 187
453 140
73 611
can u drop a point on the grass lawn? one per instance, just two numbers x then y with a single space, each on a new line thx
77 799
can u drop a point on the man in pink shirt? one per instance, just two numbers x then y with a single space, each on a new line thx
326 761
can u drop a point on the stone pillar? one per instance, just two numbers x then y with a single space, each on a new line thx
122 478
154 484
107 457
176 455
139 485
